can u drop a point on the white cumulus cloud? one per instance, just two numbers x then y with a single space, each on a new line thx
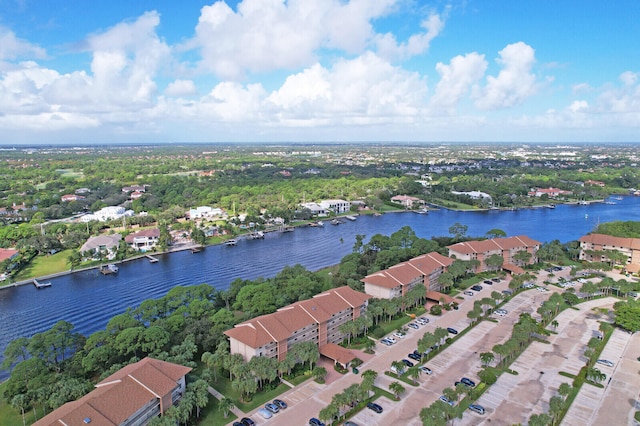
180 88
456 80
515 81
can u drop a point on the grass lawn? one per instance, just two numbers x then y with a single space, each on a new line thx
9 416
211 416
453 205
45 265
223 385
388 327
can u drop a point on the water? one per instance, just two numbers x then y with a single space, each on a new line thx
88 299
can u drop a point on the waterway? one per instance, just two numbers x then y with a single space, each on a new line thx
88 299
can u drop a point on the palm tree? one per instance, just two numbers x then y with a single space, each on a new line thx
225 405
328 413
319 374
398 366
397 389
414 372
564 389
555 324
19 402
487 358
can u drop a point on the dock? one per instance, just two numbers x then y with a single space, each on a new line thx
109 269
151 258
196 249
40 285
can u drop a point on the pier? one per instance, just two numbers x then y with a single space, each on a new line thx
151 258
40 285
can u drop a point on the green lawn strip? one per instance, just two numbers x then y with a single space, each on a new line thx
394 324
470 398
211 416
452 205
402 378
223 385
299 379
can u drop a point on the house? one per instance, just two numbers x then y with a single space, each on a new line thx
399 279
132 396
317 320
101 243
594 246
144 240
108 213
316 209
134 188
405 200
550 192
136 194
594 183
474 195
336 206
506 247
82 191
8 254
71 197
205 212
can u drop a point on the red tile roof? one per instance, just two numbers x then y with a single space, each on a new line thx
608 240
120 395
7 253
407 272
337 353
280 325
150 233
496 244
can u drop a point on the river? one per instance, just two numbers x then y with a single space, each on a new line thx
88 299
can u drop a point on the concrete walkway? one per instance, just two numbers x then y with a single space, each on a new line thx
235 410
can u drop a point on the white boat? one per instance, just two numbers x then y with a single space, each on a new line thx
422 211
320 223
231 242
351 218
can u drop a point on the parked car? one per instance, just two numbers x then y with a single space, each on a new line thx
413 325
246 421
605 362
375 407
264 413
495 280
399 334
386 342
426 370
272 407
507 292
477 408
423 320
350 423
468 382
476 287
391 339
488 282
452 330
397 370
414 357
501 312
468 293
237 424
280 403
407 363
315 422
446 400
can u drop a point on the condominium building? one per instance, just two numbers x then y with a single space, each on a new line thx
317 320
594 246
506 247
397 280
132 396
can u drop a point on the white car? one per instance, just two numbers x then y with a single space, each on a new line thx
391 339
605 362
468 293
426 370
399 334
541 289
501 312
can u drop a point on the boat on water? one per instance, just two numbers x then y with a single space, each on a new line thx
231 242
109 269
351 218
422 211
258 235
551 206
40 285
320 223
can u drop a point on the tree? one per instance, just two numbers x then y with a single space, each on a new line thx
397 389
398 366
319 374
494 261
495 233
627 315
413 372
487 375
556 405
555 324
539 419
19 402
487 358
522 257
458 230
564 389
328 413
225 405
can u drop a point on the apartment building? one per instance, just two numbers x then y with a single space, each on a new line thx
506 247
591 244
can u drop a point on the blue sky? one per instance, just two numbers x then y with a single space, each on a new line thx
319 70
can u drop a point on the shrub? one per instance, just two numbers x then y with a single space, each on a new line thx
377 332
436 310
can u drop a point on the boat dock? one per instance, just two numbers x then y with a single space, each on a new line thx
151 258
109 269
196 249
40 285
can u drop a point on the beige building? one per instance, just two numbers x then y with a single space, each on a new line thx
317 319
506 247
130 397
601 243
397 280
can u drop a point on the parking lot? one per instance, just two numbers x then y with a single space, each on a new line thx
513 398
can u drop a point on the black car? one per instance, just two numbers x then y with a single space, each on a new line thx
237 424
407 363
452 330
280 403
375 407
414 357
476 287
488 282
495 280
468 382
246 421
315 422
